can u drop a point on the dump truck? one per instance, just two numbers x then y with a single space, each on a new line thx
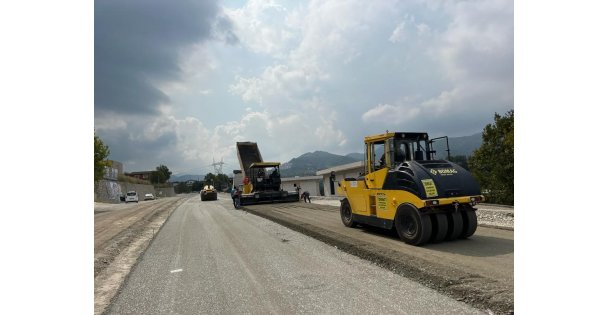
404 187
208 193
261 180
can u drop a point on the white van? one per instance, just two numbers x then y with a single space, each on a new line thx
131 196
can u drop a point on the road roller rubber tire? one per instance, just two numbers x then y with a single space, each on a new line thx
469 223
454 226
346 214
413 227
440 227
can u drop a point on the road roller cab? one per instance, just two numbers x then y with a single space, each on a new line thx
406 188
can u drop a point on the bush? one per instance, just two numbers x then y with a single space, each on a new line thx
132 180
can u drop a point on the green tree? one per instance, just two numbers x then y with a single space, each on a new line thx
155 177
223 181
162 174
460 160
209 179
182 188
101 153
197 186
493 163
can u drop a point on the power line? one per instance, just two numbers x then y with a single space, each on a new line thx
218 166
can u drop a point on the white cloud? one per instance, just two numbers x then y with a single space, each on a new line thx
335 32
404 30
422 29
195 64
110 121
444 102
399 34
391 115
331 35
279 85
478 44
323 74
192 143
260 25
327 135
250 89
474 60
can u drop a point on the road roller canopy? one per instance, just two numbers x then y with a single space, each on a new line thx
414 136
391 148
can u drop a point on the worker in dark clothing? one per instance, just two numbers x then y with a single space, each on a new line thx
305 196
298 190
236 197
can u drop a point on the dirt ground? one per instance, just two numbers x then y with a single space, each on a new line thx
477 271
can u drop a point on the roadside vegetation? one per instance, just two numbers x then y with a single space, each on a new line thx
461 160
100 158
159 177
492 163
132 180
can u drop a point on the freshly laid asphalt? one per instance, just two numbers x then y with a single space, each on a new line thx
212 259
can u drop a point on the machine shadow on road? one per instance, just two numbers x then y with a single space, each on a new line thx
378 231
476 245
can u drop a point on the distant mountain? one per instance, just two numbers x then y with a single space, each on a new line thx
356 156
184 178
458 145
309 163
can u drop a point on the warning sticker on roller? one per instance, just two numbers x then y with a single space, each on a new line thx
381 201
429 188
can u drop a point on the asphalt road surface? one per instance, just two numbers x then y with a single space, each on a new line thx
212 259
489 252
478 270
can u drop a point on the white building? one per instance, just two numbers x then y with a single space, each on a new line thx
306 183
341 172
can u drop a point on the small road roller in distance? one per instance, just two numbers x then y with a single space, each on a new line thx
208 193
404 187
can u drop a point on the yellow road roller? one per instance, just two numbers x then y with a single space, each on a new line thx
404 187
208 193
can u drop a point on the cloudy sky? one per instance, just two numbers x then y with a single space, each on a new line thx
180 82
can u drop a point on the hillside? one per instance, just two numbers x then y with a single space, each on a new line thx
309 163
356 156
458 146
185 178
